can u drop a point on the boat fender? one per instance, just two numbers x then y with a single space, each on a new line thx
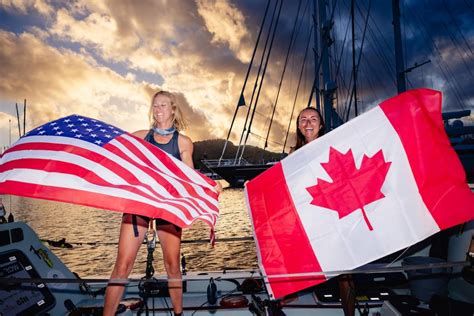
234 301
132 303
211 292
183 264
3 212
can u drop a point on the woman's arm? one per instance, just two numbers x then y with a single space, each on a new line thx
186 150
141 133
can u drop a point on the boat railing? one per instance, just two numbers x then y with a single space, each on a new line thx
224 162
366 269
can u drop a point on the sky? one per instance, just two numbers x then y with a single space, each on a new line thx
104 59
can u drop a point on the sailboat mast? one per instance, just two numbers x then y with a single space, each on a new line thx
241 101
18 119
399 63
328 85
316 57
24 117
354 66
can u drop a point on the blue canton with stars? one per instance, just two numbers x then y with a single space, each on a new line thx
79 127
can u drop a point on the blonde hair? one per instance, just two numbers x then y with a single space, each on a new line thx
178 119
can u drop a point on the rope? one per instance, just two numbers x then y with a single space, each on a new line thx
190 241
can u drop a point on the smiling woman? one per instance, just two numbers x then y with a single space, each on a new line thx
309 126
166 122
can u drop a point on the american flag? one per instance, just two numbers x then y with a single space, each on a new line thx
84 161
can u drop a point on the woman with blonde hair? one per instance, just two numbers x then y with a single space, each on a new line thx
166 123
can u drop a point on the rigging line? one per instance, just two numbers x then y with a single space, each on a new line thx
186 241
263 77
469 6
381 51
452 83
348 90
245 81
429 39
370 83
333 12
298 87
386 61
456 45
377 75
403 38
339 58
379 48
457 26
339 62
256 82
354 67
317 90
338 66
295 48
325 50
290 46
385 42
358 63
336 61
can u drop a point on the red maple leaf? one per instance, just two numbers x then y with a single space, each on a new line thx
351 188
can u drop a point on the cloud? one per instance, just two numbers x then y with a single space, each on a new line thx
106 58
61 82
227 25
23 6
175 47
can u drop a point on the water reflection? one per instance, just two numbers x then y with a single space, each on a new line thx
94 234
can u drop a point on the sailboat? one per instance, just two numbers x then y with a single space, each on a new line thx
335 88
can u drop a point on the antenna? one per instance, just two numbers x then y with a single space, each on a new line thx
18 119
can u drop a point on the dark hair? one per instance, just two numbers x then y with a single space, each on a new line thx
300 140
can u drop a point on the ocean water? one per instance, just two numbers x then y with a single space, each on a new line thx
94 236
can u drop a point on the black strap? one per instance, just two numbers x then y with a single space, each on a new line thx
134 223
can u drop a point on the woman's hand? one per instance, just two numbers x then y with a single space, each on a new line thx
218 187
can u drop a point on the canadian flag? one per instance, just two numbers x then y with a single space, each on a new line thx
381 182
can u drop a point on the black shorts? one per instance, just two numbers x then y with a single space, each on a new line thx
144 221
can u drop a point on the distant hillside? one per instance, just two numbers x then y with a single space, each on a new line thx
212 149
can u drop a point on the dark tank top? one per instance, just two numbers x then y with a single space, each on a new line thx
170 147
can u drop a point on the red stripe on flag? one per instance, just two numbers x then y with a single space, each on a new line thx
88 198
280 235
99 176
416 117
113 166
178 174
87 175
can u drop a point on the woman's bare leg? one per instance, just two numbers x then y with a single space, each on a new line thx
170 241
127 252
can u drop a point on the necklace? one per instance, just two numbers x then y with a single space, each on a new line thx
164 132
